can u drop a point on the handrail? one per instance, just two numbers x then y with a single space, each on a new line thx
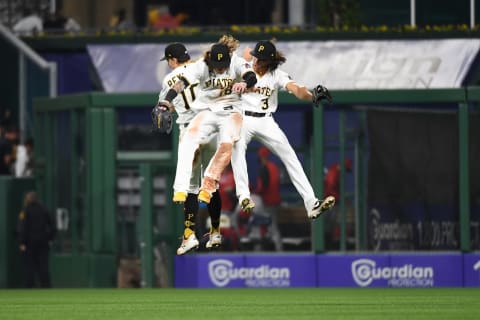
33 56
21 46
27 52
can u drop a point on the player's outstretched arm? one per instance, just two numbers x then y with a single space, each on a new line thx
299 91
318 94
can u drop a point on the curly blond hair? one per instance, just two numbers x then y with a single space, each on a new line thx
230 42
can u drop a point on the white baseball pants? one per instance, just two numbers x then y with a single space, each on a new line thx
200 131
266 130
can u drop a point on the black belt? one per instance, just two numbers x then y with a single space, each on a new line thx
256 114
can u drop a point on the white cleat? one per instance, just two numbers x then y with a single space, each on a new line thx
321 206
215 240
188 245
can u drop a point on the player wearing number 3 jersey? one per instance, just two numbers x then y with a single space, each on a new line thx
259 104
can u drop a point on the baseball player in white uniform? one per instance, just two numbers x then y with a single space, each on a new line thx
178 58
259 104
219 73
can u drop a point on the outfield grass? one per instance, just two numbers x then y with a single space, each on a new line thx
291 304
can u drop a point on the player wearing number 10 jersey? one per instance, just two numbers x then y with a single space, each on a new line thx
259 103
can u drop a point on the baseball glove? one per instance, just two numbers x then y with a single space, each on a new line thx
162 118
319 93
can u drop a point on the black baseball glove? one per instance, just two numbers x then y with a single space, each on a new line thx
162 118
319 93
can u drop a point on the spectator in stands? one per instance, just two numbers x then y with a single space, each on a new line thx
71 25
24 164
30 24
332 187
54 21
120 22
8 147
160 17
227 190
228 216
332 178
4 158
57 22
35 232
268 187
6 120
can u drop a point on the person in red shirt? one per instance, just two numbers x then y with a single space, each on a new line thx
229 205
268 180
227 190
268 188
331 187
332 179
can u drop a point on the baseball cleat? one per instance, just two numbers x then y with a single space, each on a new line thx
179 197
247 205
204 196
188 244
321 206
215 240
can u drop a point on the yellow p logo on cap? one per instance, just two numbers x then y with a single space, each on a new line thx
219 56
261 48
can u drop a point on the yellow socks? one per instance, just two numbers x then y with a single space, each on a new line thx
187 233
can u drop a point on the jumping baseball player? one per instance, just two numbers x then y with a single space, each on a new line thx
259 104
178 58
219 73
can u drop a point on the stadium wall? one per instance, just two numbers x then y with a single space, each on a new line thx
328 270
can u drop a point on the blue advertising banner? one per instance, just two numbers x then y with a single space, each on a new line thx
327 270
351 270
239 271
222 271
209 271
186 273
426 270
471 270
392 270
281 271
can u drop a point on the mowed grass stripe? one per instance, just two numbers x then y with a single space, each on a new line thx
292 304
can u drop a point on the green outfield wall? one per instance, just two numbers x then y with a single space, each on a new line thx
79 164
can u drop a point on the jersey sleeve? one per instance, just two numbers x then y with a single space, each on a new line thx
194 72
241 65
282 78
164 90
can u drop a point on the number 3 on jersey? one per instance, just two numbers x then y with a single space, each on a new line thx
265 104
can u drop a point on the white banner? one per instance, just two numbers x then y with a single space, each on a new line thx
395 64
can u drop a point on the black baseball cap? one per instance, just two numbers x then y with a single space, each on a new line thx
220 56
264 50
176 50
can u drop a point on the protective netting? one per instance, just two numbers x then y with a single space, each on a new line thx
413 181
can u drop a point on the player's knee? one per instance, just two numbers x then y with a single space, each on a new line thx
225 149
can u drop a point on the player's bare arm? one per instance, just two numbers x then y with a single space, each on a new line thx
299 91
